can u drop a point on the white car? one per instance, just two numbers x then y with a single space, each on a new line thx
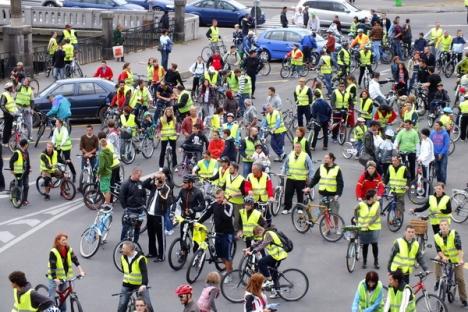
326 10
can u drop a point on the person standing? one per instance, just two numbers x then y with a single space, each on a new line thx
370 179
252 66
398 179
408 144
20 166
305 16
284 18
118 40
234 188
369 150
322 113
9 109
166 48
426 154
400 295
164 21
441 141
63 145
89 144
274 123
368 295
464 119
365 61
340 101
325 65
343 60
376 35
247 148
298 169
258 184
24 101
303 99
254 298
314 22
249 219
168 133
59 63
104 171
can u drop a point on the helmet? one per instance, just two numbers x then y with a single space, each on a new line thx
8 85
146 114
52 309
448 110
461 90
344 43
360 30
184 289
19 64
389 132
249 200
368 46
371 163
211 69
225 159
188 178
360 119
230 115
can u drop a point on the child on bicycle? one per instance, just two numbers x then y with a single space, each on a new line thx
260 156
358 134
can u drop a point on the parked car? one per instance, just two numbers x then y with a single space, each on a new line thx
227 12
89 97
103 4
326 10
49 3
156 5
277 42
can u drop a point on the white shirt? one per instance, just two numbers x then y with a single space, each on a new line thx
163 39
426 152
314 23
197 68
298 19
404 301
374 89
64 131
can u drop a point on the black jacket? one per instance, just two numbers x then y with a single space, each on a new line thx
27 165
163 199
284 20
339 182
132 194
369 147
38 301
173 78
164 21
230 150
251 66
223 216
192 201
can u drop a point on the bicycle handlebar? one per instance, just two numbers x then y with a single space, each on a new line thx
132 291
445 263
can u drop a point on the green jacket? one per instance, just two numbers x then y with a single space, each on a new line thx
117 38
105 162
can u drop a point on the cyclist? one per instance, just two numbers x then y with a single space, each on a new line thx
184 292
48 166
358 133
447 119
274 123
126 75
449 249
61 260
440 99
258 184
246 87
219 179
405 253
18 73
26 298
69 50
233 126
270 241
361 39
400 295
164 96
193 144
63 145
249 219
167 133
135 276
184 103
20 166
104 171
343 60
213 35
132 198
69 34
60 108
141 98
206 167
445 45
398 179
385 115
216 61
104 71
232 58
408 143
9 109
340 101
321 113
248 44
326 69
157 73
303 98
368 295
309 44
365 61
122 96
462 66
128 123
297 59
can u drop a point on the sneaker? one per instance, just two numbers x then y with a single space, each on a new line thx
25 203
285 212
268 284
464 305
335 141
338 232
376 265
364 265
47 196
325 148
157 260
274 294
169 233
227 279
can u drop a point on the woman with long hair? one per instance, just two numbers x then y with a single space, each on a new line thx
368 295
168 133
254 299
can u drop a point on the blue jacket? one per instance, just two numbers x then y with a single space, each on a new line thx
309 41
441 141
60 108
374 307
248 44
420 44
321 110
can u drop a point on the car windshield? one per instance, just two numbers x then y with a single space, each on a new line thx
120 2
352 7
47 90
238 5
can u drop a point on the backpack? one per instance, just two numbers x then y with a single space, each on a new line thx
288 244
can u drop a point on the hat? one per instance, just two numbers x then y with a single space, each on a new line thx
389 132
249 200
224 159
211 69
230 115
448 110
360 119
360 30
68 26
9 84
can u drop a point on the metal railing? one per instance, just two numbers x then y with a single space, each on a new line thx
146 36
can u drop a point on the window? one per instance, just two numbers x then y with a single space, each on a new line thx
226 6
313 4
98 89
88 1
276 35
327 6
292 37
65 90
86 88
338 7
208 4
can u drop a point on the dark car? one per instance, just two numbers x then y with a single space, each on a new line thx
89 97
156 5
103 4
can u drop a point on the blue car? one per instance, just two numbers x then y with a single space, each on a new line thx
103 4
89 97
156 5
279 41
227 12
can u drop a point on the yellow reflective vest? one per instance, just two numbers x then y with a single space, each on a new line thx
10 105
168 129
187 105
249 222
249 150
405 259
24 303
448 248
464 106
275 248
53 160
132 272
297 168
212 78
435 209
445 43
397 180
436 34
24 96
69 52
346 57
296 59
272 118
259 187
214 35
302 97
207 171
327 180
302 142
233 186
366 300
18 166
139 96
366 108
233 82
341 99
326 67
70 34
396 296
369 217
59 134
53 46
365 58
60 269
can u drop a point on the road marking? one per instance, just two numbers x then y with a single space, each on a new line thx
6 236
30 222
56 211
25 235
273 81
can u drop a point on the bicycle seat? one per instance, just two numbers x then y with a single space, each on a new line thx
325 200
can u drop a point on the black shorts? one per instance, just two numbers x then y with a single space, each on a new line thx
223 245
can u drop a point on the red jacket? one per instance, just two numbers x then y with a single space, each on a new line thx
269 187
216 148
330 44
366 183
104 73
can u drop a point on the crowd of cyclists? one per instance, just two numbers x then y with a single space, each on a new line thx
225 168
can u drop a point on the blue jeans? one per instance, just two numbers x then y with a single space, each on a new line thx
164 59
328 83
126 226
246 168
277 143
160 106
242 98
59 73
125 298
441 168
168 226
376 50
380 100
397 48
413 80
52 293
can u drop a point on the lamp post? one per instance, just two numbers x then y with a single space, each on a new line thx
179 27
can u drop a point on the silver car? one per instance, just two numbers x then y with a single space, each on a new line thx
50 3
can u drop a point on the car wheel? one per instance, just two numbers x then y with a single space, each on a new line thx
102 113
50 4
157 8
266 55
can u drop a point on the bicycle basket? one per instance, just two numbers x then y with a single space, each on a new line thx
351 232
420 226
199 233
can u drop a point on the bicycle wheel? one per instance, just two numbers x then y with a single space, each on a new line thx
90 242
15 195
459 211
451 293
421 106
78 70
219 263
276 205
106 228
285 72
34 84
293 284
42 289
85 178
206 53
331 227
341 134
13 142
430 303
449 69
147 148
300 219
393 221
129 153
117 253
178 254
347 150
40 185
233 285
451 147
351 256
304 71
266 69
422 242
455 133
196 266
93 198
75 304
67 189
415 194
430 121
144 219
40 132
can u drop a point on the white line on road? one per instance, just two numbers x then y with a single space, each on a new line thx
30 222
6 236
37 228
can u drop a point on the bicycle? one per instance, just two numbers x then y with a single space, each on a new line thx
288 70
442 61
73 69
351 233
449 67
460 198
185 167
421 187
16 191
208 51
394 218
93 198
290 284
421 99
181 246
112 113
279 193
87 174
60 179
96 234
447 283
19 132
265 209
63 294
206 244
366 78
44 122
351 149
330 224
336 122
131 307
420 228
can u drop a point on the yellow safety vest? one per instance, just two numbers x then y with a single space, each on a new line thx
275 248
448 249
149 72
53 46
436 34
221 177
302 97
212 79
207 171
397 180
365 58
129 79
346 57
233 186
341 100
233 82
466 3
369 217
367 300
132 273
58 140
249 150
157 75
359 132
348 91
24 96
52 161
297 61
297 169
249 222
128 122
139 96
70 35
18 166
259 187
435 208
395 300
302 142
383 119
326 67
445 43
464 105
10 105
24 304
214 34
234 128
216 123
405 259
60 270
115 156
189 103
446 121
168 129
247 85
327 180
69 51
271 122
365 108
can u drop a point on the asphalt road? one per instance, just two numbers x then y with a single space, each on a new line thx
26 235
